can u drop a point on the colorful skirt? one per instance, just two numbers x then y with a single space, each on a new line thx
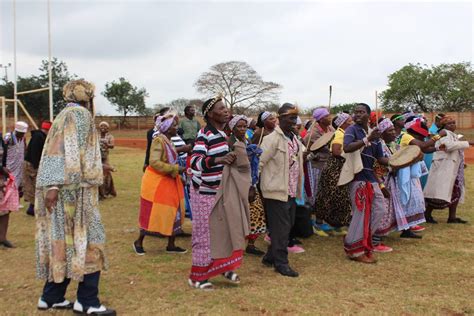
333 203
393 210
413 213
314 174
203 266
161 203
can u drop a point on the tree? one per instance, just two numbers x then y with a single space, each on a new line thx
241 86
344 107
446 87
409 87
180 104
453 87
37 104
125 97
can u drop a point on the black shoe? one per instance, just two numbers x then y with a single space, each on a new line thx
31 210
184 235
295 241
287 271
175 250
267 262
138 249
456 220
7 244
431 220
409 234
252 250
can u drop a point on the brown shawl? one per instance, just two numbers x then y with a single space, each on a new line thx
229 219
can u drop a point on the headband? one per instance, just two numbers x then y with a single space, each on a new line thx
384 125
398 117
104 123
291 111
163 124
341 118
236 119
320 113
211 104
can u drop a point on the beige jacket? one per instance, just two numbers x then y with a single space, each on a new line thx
444 168
274 167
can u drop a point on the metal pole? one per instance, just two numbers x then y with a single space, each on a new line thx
51 114
15 106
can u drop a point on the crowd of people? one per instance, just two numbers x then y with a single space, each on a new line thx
355 175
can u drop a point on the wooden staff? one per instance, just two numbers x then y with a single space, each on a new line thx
376 109
330 95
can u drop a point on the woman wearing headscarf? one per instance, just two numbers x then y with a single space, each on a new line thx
317 161
162 194
15 147
408 178
393 214
266 122
210 155
238 126
106 143
333 204
445 185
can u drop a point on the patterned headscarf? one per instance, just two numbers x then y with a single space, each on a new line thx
78 91
341 118
265 115
163 124
384 125
21 127
236 119
320 113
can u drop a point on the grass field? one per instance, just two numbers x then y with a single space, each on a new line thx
434 275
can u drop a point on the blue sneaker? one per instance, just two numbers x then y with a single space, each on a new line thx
325 227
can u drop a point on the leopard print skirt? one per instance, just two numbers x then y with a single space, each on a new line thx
333 203
257 216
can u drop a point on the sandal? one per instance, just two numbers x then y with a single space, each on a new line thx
232 277
204 285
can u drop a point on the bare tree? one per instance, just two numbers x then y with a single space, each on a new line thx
241 86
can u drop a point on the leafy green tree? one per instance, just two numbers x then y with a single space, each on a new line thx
344 107
446 87
453 87
126 98
37 104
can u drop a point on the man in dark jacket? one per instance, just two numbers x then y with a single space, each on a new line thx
32 159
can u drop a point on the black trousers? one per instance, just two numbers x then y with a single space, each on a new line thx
87 291
280 220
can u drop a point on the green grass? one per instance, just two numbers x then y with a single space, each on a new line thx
431 276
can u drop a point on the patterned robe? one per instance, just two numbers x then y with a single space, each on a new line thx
70 240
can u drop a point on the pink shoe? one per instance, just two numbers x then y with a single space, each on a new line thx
267 239
382 248
417 228
295 249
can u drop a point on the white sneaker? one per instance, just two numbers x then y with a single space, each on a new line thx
101 310
42 305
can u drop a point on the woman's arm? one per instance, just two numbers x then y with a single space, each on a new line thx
158 160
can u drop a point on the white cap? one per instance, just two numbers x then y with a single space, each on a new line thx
21 127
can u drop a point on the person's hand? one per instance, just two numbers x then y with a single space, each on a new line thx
188 148
227 159
51 199
181 169
252 194
386 193
374 135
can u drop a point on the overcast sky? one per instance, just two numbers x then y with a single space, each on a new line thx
304 46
